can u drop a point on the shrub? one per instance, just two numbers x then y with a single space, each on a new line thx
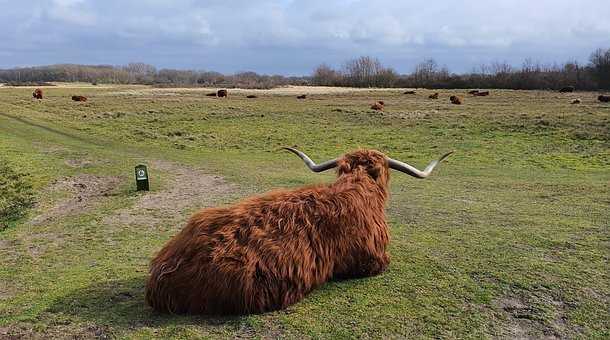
16 195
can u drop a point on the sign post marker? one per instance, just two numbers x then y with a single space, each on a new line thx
142 178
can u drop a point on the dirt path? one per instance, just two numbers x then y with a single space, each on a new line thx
84 192
186 188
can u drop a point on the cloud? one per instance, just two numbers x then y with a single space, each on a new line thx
243 34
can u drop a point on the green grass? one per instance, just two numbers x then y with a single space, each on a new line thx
508 238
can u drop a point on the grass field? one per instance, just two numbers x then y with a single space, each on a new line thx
510 238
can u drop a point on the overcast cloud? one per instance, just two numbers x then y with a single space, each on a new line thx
292 37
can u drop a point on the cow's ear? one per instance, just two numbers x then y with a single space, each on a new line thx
344 167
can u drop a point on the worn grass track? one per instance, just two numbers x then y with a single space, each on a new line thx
510 238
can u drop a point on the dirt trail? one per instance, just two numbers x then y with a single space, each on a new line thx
186 188
84 192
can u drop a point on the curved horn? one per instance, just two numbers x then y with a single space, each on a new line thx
409 170
310 164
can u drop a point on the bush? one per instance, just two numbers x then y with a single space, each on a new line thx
16 195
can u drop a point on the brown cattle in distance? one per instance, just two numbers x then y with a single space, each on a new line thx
378 106
303 96
576 101
433 96
455 100
603 99
79 98
222 93
268 252
37 94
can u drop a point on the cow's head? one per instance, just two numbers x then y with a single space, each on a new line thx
373 162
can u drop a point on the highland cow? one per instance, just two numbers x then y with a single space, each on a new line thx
303 96
576 101
455 100
37 94
79 98
378 106
603 99
268 252
222 93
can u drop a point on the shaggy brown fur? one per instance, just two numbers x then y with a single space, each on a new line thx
433 96
303 96
37 94
222 93
604 99
377 106
267 252
79 98
455 100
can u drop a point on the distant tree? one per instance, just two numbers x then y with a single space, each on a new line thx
368 72
324 75
600 65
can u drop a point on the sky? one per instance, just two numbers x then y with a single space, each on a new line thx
292 37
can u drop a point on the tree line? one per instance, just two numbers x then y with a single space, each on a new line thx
141 73
364 71
369 72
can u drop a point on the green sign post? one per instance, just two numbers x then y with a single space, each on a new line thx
142 178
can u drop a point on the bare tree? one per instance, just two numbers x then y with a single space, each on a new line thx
324 75
600 64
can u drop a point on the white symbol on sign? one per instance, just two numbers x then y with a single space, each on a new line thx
141 174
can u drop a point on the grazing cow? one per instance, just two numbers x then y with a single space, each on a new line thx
481 94
37 94
251 96
222 93
433 96
377 106
603 99
567 89
410 92
268 252
576 101
79 98
473 92
455 100
303 96
212 94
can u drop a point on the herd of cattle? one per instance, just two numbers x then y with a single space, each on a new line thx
378 106
268 252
